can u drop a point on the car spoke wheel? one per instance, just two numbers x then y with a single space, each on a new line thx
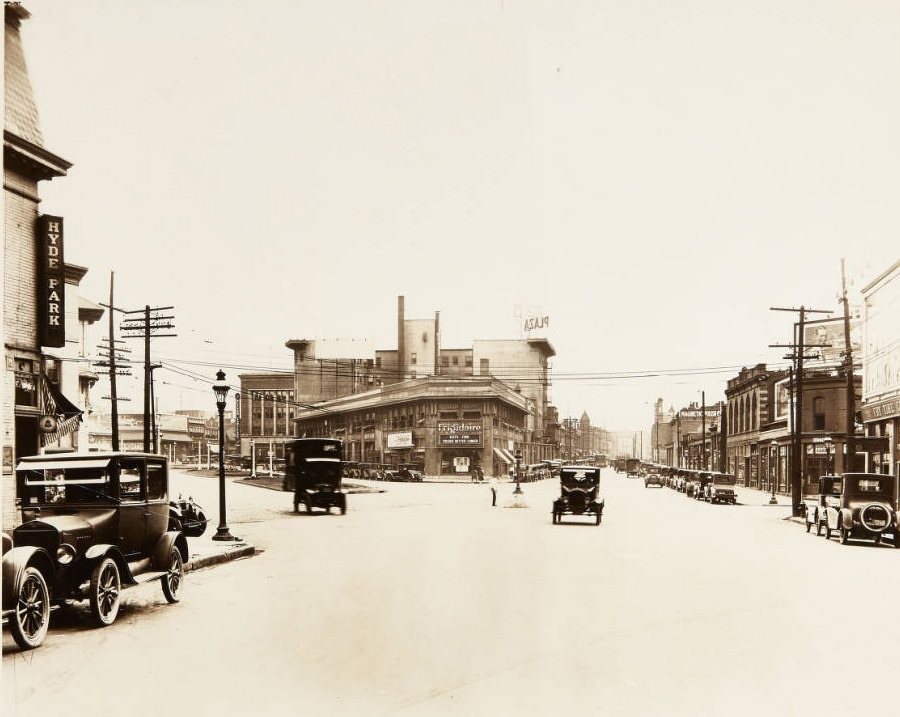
171 581
106 587
31 617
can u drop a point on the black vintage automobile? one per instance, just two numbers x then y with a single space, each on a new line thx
313 473
579 487
93 523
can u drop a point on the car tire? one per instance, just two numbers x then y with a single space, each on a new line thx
808 525
307 501
827 532
597 520
845 535
818 526
105 592
30 619
171 581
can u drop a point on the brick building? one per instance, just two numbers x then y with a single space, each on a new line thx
33 270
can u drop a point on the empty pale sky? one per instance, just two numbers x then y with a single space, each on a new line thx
654 175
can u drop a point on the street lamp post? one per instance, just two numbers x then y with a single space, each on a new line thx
220 388
518 489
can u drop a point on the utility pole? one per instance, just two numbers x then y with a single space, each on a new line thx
108 360
797 355
145 326
703 430
848 373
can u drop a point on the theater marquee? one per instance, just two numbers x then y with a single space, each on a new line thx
459 433
52 285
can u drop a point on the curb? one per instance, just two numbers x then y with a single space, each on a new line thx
204 561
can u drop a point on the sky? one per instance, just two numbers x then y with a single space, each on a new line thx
651 175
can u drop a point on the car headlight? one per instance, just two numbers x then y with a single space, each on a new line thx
65 554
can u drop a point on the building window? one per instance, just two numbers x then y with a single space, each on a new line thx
485 366
456 360
445 361
26 383
818 414
469 361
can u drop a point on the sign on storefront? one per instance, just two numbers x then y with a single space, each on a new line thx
52 291
459 433
403 439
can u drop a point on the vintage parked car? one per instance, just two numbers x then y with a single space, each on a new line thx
720 489
653 479
313 473
187 516
697 487
93 523
579 487
857 506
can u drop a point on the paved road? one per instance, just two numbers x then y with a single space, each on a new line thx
425 600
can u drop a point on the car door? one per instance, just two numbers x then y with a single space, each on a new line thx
132 506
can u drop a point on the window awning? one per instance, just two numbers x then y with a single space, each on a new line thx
509 456
502 456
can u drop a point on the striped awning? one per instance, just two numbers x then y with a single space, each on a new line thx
501 454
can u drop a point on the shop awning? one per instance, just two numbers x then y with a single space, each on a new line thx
509 456
502 456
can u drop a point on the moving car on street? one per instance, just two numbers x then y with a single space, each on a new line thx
579 487
654 479
313 473
93 523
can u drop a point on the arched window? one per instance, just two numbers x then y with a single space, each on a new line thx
753 417
818 413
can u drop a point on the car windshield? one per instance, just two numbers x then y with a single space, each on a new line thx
66 486
724 480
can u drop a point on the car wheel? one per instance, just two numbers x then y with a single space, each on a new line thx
877 539
845 535
296 507
808 525
827 532
105 589
896 542
307 501
597 522
344 507
171 581
31 617
818 526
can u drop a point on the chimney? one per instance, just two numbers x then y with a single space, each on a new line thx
437 343
401 338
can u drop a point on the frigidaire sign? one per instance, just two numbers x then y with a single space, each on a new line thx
459 433
52 290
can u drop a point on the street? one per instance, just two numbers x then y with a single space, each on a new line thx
425 600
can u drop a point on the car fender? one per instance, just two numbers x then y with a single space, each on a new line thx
97 552
14 563
160 558
846 518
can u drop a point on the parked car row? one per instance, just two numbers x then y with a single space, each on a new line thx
709 486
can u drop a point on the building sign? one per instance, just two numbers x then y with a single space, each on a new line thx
52 292
881 410
403 439
533 323
710 413
782 399
825 341
459 433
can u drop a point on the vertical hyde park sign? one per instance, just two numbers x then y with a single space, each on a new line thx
52 293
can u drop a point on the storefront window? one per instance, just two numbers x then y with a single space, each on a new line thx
26 383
